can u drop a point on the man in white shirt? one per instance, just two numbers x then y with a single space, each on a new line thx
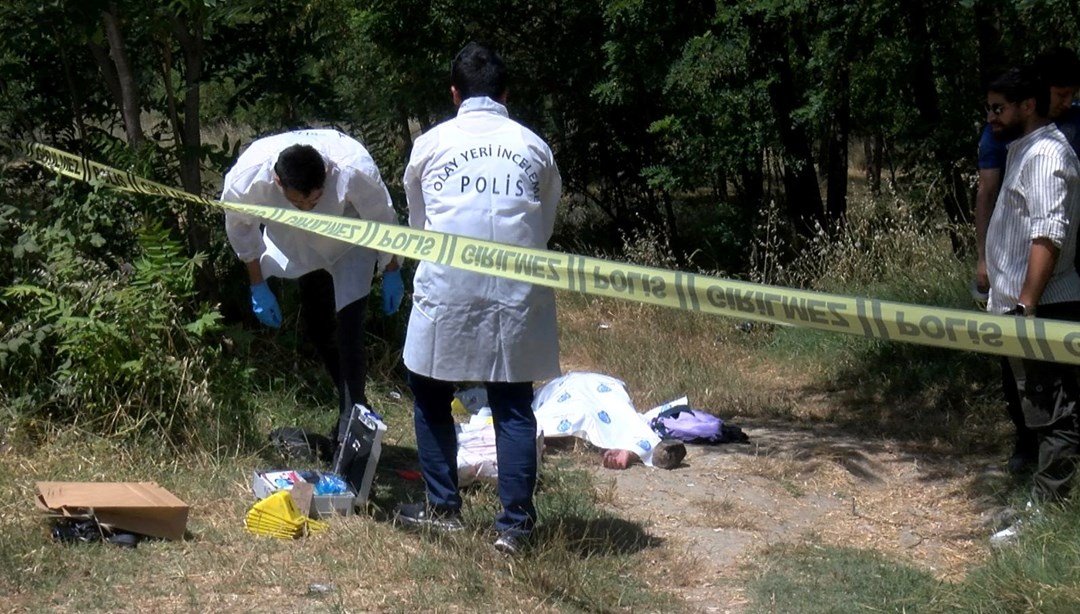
322 171
480 175
1060 68
1030 254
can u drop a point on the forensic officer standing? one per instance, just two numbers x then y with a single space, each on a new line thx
480 175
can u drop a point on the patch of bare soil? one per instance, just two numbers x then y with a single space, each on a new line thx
720 511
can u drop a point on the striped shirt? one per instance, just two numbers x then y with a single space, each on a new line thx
1039 198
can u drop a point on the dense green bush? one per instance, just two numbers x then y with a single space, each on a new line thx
100 325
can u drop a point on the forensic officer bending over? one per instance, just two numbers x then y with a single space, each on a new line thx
322 171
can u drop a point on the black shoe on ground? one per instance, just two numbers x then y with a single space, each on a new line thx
420 515
84 531
668 454
1020 462
510 543
1024 456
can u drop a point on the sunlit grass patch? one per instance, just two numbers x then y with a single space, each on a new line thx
723 513
1039 573
663 354
582 558
814 579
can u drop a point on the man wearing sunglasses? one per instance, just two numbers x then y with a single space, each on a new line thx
1030 262
1060 69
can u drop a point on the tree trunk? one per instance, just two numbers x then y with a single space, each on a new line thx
191 41
751 183
801 190
887 149
992 53
872 147
108 72
927 104
837 185
130 106
189 140
76 102
802 194
673 243
405 140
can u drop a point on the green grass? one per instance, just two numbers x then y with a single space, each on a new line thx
1038 574
813 579
922 395
584 560
663 354
910 391
913 392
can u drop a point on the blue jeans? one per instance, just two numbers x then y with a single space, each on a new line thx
515 447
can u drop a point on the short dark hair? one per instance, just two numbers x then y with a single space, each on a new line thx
1059 66
478 71
1021 83
301 168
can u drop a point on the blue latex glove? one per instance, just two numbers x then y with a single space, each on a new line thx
265 305
330 484
393 290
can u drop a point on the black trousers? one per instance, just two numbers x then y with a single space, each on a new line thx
338 337
1049 393
1026 440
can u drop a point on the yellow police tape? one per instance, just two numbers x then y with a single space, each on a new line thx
1039 339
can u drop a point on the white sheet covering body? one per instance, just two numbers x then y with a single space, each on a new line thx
596 408
476 457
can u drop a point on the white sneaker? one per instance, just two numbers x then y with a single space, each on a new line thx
1007 535
1021 519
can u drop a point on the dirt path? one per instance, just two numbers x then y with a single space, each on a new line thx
727 504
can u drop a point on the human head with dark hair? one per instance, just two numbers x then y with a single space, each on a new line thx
1059 66
301 172
1021 84
1017 103
1060 69
478 71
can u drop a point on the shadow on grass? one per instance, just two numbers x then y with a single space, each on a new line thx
901 390
397 481
602 536
587 565
814 578
800 448
931 402
568 515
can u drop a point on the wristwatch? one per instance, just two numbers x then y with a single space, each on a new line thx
1028 311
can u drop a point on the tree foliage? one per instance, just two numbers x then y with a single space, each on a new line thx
659 111
680 120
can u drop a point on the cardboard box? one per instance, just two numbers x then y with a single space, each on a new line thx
138 507
265 483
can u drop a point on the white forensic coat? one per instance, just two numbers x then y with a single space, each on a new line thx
482 175
353 188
